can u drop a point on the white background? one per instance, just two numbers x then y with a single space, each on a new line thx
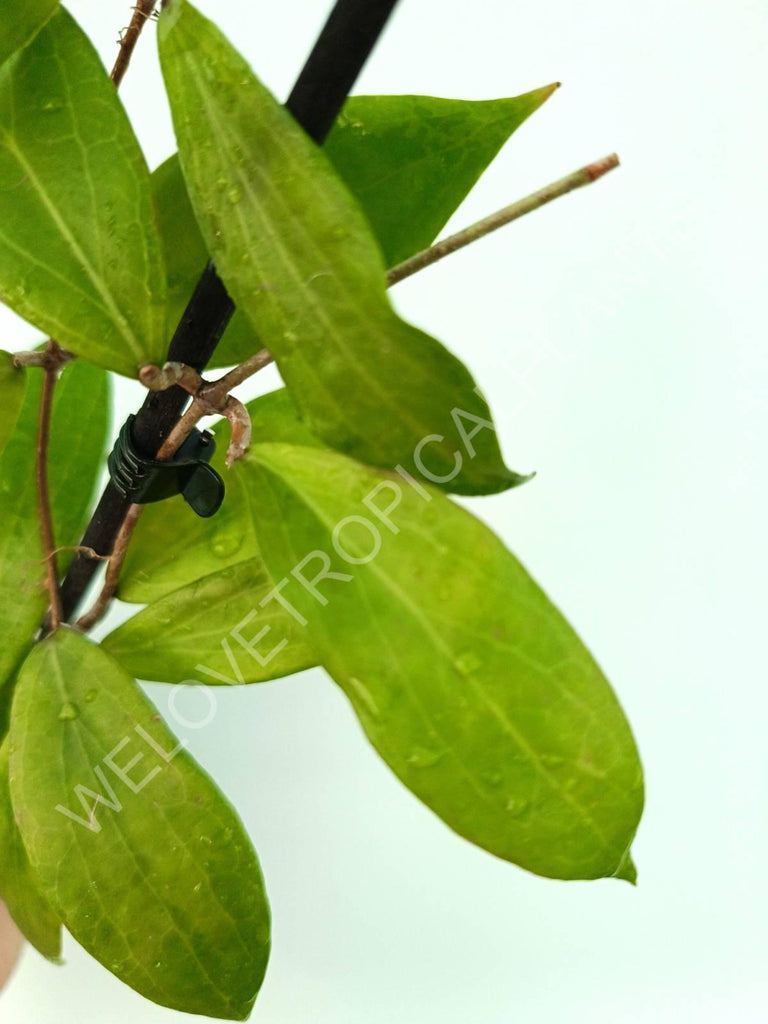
620 337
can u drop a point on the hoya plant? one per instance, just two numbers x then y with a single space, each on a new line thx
313 526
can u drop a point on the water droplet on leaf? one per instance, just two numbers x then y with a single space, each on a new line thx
68 712
517 805
552 760
226 543
423 757
468 662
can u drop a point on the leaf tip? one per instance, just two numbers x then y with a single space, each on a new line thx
626 871
543 94
523 478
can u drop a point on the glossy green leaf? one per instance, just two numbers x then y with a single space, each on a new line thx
161 883
78 443
11 396
298 257
411 160
228 628
20 20
172 547
79 250
185 256
19 889
466 679
408 160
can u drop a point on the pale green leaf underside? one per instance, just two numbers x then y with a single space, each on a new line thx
225 629
408 160
172 547
19 889
166 891
20 20
298 257
78 443
11 396
467 680
80 255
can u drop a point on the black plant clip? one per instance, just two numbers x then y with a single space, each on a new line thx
143 480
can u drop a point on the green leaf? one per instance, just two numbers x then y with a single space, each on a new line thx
161 883
79 250
78 440
408 160
298 257
225 628
185 256
411 160
11 396
21 19
466 679
162 558
19 888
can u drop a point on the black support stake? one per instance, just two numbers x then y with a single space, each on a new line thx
336 60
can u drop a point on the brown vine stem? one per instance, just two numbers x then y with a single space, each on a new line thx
108 590
142 12
51 369
82 549
52 358
212 398
207 398
584 176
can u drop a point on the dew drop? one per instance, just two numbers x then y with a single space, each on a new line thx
234 195
68 712
423 757
91 696
552 760
516 806
225 544
467 663
493 778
